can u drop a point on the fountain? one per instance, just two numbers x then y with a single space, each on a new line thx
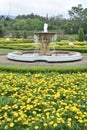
45 54
45 38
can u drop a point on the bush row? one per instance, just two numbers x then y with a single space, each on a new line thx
34 69
32 46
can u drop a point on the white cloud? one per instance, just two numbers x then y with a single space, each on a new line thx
52 7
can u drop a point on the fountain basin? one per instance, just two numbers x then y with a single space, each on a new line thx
58 56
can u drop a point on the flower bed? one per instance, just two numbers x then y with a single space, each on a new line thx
43 101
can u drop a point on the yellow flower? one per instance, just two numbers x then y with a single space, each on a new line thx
81 121
69 124
45 124
6 127
51 122
25 122
55 124
8 119
27 128
11 124
15 114
0 122
69 119
76 117
85 124
36 127
47 114
57 95
34 112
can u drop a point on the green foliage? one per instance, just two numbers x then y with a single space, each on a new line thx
78 18
17 34
33 69
80 34
24 34
76 12
67 37
1 32
57 23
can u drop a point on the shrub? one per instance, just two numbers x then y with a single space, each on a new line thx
24 34
17 34
1 32
80 35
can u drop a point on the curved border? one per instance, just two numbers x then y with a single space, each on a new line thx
31 57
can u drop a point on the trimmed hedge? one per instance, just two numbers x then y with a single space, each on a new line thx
33 69
24 45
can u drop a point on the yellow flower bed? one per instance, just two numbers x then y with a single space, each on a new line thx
43 101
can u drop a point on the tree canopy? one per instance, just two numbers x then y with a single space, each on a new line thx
32 22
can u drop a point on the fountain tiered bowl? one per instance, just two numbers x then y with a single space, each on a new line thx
56 56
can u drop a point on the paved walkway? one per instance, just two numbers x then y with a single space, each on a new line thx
5 61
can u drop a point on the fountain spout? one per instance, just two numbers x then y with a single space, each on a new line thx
45 27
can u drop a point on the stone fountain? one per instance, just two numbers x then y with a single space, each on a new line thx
45 54
45 38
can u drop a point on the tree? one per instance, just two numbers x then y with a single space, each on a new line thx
78 17
76 12
24 34
1 32
17 34
81 35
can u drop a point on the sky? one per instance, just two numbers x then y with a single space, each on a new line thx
40 7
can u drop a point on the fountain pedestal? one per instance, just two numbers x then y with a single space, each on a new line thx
45 48
45 38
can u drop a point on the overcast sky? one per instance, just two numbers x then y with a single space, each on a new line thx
40 7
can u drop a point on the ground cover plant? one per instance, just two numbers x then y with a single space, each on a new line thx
43 101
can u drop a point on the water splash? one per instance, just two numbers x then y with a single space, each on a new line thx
45 27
